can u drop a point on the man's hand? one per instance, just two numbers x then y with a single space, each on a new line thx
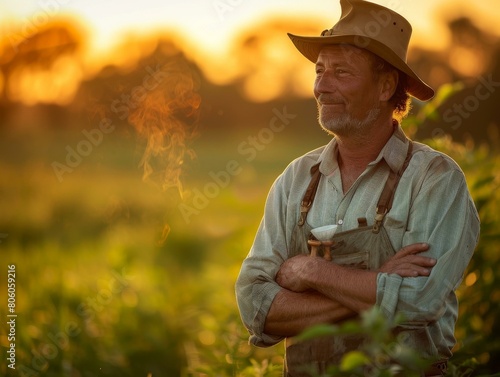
293 272
406 262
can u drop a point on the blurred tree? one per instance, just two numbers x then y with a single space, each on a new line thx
44 67
473 59
262 72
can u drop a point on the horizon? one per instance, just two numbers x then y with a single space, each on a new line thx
213 26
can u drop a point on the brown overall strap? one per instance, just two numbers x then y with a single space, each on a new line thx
308 198
384 204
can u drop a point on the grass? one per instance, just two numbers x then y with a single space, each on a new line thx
172 312
102 292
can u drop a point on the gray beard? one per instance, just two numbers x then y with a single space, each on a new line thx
346 125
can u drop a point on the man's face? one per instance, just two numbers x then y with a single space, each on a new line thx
346 90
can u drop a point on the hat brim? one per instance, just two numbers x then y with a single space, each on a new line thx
311 46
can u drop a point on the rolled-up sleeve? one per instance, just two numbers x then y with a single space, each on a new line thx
443 215
256 286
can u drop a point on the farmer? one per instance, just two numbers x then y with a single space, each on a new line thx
406 224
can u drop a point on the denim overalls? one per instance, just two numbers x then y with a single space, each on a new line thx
365 247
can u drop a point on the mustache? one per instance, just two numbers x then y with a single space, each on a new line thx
330 98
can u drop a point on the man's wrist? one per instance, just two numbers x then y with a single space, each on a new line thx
316 270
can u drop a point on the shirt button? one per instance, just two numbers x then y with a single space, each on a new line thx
340 222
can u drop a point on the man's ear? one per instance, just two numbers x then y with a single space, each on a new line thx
388 84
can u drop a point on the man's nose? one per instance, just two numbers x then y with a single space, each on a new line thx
325 82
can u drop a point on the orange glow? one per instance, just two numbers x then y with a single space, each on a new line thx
46 63
274 69
33 84
42 65
470 279
467 62
266 62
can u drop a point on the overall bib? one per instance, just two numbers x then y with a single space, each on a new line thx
365 247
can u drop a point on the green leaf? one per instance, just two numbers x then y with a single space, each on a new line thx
447 90
430 110
351 327
317 331
353 360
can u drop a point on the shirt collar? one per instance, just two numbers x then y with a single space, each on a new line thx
393 153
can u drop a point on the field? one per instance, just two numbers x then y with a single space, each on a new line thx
117 277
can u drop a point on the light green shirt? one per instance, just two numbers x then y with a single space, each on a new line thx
432 204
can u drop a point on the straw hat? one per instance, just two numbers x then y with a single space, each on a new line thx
374 28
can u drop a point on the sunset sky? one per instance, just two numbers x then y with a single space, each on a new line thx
213 23
207 32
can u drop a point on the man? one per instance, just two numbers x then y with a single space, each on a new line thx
384 193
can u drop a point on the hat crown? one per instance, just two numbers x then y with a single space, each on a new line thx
369 21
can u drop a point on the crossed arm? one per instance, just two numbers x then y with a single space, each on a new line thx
318 291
